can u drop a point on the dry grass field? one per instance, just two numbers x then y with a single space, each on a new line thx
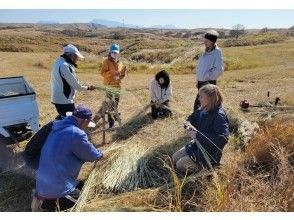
137 174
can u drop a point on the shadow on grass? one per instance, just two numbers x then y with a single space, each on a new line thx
16 181
133 126
15 192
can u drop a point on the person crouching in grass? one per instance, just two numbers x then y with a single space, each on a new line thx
208 128
160 91
65 150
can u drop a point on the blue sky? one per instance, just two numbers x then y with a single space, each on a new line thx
181 18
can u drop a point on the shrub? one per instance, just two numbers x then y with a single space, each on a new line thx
276 133
255 39
237 63
153 56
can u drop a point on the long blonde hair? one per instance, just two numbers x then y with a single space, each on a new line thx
214 96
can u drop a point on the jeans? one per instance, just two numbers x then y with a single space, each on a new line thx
64 203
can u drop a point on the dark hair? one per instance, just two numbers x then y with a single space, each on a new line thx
68 59
163 74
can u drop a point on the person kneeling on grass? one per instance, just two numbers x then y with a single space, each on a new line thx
66 149
160 91
208 127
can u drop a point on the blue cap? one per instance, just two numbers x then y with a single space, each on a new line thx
83 112
114 48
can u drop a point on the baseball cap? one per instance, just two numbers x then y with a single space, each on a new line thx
83 112
72 49
114 48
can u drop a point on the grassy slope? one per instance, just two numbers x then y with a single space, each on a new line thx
270 69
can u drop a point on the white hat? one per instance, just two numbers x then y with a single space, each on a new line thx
72 49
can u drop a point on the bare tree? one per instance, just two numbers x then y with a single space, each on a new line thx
237 30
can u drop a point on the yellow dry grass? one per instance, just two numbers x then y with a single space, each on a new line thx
133 176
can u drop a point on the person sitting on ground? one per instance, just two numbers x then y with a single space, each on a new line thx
113 71
211 134
160 91
64 82
66 149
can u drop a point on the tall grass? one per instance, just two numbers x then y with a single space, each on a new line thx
276 133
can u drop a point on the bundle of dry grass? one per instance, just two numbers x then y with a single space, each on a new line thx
124 169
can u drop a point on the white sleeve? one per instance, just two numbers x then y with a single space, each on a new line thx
152 91
168 93
71 79
218 68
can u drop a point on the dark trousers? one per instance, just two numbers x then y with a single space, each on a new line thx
155 112
53 205
63 108
199 85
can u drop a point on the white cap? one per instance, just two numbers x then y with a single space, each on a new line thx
72 49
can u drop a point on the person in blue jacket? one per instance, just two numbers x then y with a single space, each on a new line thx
208 128
66 149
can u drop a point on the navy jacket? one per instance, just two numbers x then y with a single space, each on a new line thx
64 152
213 135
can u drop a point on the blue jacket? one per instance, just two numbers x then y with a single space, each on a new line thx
65 150
215 126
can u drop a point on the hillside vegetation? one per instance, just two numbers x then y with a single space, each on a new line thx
137 174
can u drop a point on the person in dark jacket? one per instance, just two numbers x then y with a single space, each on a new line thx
160 91
32 151
66 149
208 128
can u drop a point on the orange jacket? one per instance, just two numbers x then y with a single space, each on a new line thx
109 70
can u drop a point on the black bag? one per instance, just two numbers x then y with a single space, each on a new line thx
34 147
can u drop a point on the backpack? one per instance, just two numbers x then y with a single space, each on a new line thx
33 149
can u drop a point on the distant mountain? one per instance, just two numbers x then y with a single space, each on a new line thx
47 22
113 24
166 26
